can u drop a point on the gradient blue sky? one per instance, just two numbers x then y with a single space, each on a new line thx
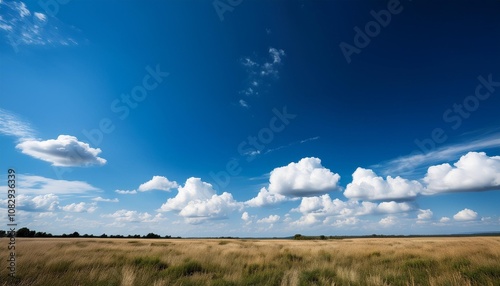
198 118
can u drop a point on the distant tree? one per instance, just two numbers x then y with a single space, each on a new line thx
75 234
298 236
322 237
3 233
152 235
104 235
24 232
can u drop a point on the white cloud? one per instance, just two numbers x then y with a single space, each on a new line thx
269 219
305 178
444 219
64 151
126 192
388 221
158 183
259 71
101 199
318 209
197 201
79 208
368 186
28 184
245 216
193 189
266 198
350 221
473 171
12 125
40 16
27 28
408 164
244 103
134 216
465 215
40 203
424 214
217 207
393 207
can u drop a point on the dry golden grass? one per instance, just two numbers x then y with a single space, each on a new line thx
366 261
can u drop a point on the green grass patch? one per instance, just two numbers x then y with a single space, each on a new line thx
187 268
150 262
483 275
317 277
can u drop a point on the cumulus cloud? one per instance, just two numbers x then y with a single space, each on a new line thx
367 185
197 201
217 207
158 183
465 215
444 219
126 192
28 184
424 214
65 151
388 221
305 178
101 199
269 219
127 216
79 208
474 171
245 216
319 209
193 189
40 203
266 198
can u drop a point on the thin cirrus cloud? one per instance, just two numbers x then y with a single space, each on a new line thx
65 151
22 26
101 199
29 184
158 183
126 192
12 124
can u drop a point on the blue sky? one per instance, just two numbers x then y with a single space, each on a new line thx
252 118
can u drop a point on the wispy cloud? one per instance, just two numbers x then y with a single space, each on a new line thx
260 72
408 165
22 26
28 184
12 124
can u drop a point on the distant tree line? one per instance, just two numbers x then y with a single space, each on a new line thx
26 232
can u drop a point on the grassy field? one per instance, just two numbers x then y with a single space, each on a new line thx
362 261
